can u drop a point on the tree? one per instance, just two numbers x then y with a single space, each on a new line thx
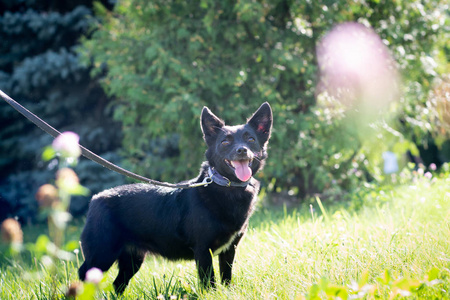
41 69
166 59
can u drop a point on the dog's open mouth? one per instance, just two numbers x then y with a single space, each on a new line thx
242 168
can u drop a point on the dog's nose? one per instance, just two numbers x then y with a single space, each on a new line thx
241 150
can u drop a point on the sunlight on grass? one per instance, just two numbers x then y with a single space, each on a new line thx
407 235
394 241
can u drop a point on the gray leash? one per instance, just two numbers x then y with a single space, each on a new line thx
91 155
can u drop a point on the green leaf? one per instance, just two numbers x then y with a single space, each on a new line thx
73 189
324 282
386 279
407 284
48 154
204 4
314 292
336 291
364 279
41 243
433 274
71 245
80 190
88 292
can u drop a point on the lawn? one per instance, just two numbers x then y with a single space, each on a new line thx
385 242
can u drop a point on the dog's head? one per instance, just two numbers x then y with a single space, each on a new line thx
237 152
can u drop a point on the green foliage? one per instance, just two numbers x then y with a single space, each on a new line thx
165 60
53 31
40 68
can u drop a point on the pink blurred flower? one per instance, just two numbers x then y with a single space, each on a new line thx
356 67
67 144
94 275
420 171
433 167
67 179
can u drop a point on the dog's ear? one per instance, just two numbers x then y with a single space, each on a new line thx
211 125
261 122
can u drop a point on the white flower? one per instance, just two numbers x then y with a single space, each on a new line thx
94 275
67 144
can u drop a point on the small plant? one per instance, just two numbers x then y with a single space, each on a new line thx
54 200
172 289
387 285
12 234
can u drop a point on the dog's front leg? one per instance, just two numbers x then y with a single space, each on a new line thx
226 259
203 259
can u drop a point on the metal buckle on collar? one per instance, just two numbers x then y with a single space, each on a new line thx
205 182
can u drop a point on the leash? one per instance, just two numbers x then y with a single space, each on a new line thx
94 157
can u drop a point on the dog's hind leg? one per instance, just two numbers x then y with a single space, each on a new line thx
130 260
102 259
100 242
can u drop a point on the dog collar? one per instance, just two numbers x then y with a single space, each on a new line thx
223 181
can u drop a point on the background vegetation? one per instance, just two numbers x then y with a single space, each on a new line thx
40 68
160 62
165 61
396 247
131 78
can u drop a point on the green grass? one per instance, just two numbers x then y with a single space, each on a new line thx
397 243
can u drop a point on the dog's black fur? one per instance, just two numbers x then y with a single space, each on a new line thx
125 222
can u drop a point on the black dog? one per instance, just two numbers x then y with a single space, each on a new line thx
125 222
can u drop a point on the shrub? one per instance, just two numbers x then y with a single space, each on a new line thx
165 60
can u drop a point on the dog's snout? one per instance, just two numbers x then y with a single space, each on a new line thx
241 150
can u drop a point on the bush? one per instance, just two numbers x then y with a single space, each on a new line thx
165 60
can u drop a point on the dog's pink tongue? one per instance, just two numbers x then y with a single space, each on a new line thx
242 170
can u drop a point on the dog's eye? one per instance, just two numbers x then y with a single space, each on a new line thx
251 140
225 142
